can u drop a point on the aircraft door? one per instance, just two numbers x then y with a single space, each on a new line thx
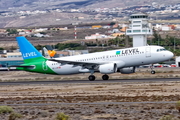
148 52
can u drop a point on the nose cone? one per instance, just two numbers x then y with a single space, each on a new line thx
169 55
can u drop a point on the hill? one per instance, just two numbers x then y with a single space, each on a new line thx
15 5
11 16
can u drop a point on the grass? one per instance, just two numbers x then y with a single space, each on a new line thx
168 117
61 116
57 78
178 106
14 116
5 109
43 78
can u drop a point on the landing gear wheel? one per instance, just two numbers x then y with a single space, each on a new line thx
153 72
105 77
91 78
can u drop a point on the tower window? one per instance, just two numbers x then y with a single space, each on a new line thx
136 30
136 21
128 31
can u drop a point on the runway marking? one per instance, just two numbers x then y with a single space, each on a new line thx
87 81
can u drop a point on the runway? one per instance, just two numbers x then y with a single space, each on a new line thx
87 81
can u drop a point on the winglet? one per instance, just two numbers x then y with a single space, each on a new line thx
28 51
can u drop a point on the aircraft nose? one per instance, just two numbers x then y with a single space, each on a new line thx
170 54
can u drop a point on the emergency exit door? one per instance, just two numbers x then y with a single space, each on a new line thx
148 52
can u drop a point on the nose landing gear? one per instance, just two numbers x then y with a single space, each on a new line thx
152 71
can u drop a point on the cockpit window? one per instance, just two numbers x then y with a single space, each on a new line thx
162 49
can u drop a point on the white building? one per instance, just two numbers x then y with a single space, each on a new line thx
139 29
166 28
77 52
14 55
41 35
40 30
158 27
177 61
178 27
96 36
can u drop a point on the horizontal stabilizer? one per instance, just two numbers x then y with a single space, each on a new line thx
24 66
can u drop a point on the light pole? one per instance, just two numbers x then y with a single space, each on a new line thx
158 37
174 43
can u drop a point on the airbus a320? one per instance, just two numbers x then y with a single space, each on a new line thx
107 62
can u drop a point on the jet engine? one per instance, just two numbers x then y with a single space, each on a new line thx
127 70
108 68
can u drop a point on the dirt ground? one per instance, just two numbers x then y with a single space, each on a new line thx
92 101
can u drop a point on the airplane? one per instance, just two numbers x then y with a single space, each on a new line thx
45 53
124 61
49 53
52 53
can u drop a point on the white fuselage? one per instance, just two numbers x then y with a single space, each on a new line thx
127 57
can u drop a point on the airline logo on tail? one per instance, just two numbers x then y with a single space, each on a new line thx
31 54
27 49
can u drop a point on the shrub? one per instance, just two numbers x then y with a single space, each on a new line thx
14 115
5 109
62 116
44 114
178 106
168 117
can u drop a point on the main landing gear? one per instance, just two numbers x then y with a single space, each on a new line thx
105 77
92 77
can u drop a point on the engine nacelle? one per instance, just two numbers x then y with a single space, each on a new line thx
108 68
127 70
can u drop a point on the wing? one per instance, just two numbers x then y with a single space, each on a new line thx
88 65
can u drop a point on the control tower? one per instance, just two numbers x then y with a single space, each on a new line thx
139 29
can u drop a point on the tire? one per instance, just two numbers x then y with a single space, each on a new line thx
91 78
153 72
105 77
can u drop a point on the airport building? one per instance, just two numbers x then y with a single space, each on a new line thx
177 61
139 28
5 62
10 58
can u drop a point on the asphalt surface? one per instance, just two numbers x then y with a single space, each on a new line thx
87 81
89 103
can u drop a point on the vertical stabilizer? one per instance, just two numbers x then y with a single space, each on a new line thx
28 51
45 51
